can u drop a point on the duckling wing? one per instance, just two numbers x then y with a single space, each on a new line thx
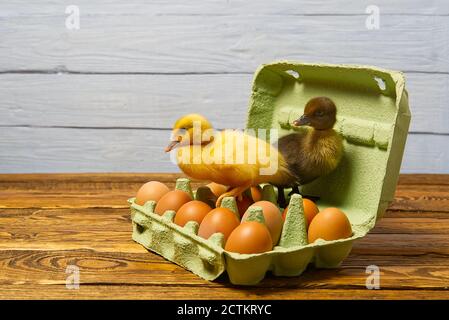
234 158
292 147
310 156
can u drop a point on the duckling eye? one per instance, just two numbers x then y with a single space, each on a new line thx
319 113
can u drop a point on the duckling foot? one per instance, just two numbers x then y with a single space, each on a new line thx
281 197
235 192
295 189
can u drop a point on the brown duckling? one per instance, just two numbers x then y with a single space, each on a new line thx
314 152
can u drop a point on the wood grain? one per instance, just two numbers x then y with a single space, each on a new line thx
91 291
218 44
48 267
156 101
38 242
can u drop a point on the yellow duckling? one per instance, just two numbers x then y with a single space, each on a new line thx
229 157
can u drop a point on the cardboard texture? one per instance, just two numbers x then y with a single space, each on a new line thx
373 118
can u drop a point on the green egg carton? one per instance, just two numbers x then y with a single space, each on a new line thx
373 118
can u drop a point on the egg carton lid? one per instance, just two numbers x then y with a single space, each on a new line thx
373 117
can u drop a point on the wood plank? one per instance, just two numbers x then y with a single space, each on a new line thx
106 229
416 214
424 106
220 7
127 181
428 199
156 101
49 267
64 220
84 181
112 190
28 150
105 241
98 191
85 150
74 196
423 179
222 43
414 225
426 154
402 244
173 292
134 101
410 247
64 200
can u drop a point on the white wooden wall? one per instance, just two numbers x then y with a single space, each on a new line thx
102 98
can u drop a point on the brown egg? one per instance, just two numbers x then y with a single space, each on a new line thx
191 211
220 220
310 210
243 205
329 224
153 190
217 189
273 218
172 200
250 237
256 193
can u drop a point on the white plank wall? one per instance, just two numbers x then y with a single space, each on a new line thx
142 150
154 101
103 97
219 44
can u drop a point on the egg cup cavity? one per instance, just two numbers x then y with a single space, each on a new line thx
269 193
374 125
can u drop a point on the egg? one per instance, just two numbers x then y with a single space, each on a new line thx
310 210
172 200
256 193
329 224
217 189
249 237
273 218
153 190
191 211
243 205
220 220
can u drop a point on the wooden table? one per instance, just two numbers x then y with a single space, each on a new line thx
50 221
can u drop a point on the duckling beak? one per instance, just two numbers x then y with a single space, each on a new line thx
304 120
171 146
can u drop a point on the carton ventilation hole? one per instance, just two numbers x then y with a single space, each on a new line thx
381 83
293 73
139 228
